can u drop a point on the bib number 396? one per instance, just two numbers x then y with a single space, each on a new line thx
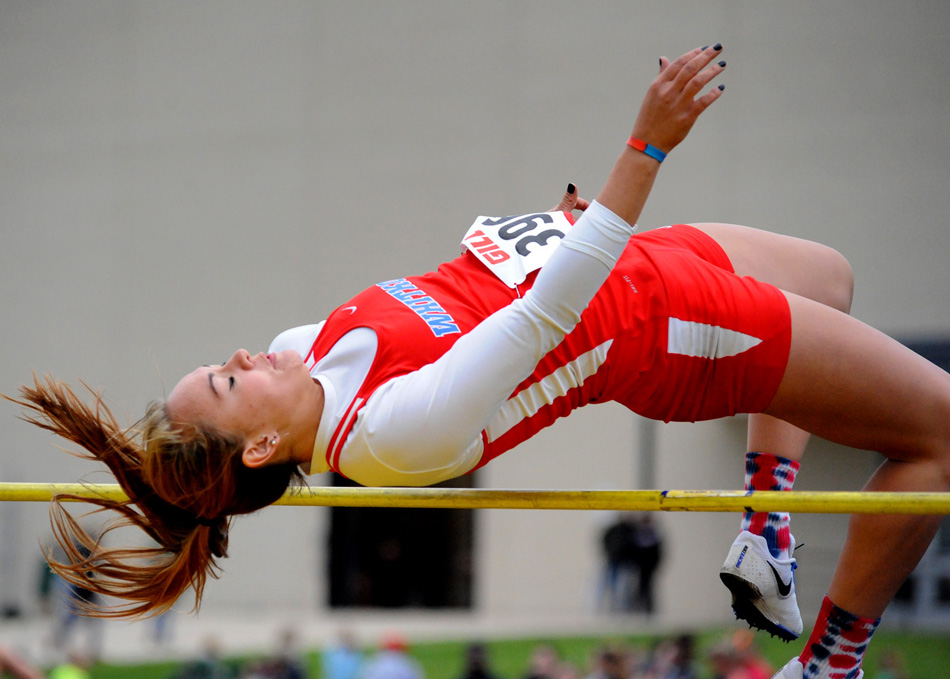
512 247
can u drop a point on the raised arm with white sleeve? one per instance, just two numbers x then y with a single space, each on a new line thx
426 426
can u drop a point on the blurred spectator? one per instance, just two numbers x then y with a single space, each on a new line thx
12 665
756 666
393 661
724 663
738 658
673 659
162 629
255 669
619 544
684 659
890 665
70 602
633 550
45 587
209 665
476 663
567 670
341 660
544 664
159 627
659 663
272 668
288 662
647 554
611 663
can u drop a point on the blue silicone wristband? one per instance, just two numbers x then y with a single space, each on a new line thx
648 149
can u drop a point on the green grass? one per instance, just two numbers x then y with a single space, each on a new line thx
926 656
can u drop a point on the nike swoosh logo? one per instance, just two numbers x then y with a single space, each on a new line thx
351 309
783 589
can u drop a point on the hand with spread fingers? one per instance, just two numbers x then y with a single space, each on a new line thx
673 101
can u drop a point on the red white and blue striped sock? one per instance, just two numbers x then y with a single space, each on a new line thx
769 472
837 645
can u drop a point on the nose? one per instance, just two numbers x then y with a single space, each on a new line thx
239 360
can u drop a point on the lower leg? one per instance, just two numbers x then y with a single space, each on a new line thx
882 550
836 647
879 553
857 387
775 437
771 471
854 386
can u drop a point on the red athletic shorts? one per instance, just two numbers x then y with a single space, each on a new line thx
717 343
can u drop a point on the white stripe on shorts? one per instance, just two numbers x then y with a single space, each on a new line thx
689 338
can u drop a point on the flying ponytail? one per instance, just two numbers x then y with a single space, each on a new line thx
183 488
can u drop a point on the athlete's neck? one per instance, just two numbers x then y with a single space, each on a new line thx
303 452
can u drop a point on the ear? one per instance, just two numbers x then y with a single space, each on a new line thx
261 451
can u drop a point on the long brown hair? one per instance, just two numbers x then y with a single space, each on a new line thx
183 487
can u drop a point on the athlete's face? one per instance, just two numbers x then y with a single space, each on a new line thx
248 396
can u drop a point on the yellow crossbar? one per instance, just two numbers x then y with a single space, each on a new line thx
809 502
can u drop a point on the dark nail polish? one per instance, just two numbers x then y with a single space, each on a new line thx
722 87
717 46
722 64
571 189
705 48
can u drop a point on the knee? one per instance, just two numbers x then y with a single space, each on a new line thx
838 279
934 470
933 448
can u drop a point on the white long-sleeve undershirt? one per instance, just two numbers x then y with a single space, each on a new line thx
425 426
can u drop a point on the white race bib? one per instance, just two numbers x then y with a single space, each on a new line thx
513 247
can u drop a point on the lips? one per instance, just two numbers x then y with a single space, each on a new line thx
273 360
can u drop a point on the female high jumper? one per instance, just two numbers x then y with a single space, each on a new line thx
424 378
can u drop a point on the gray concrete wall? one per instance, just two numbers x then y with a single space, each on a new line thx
180 179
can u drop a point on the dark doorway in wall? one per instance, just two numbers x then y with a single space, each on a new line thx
934 349
400 558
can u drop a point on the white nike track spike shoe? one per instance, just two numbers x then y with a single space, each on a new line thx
794 670
763 586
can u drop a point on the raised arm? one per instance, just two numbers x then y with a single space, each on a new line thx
426 426
669 110
667 114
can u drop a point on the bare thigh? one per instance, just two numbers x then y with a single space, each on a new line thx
796 265
854 385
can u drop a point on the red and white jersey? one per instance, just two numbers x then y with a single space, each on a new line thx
429 377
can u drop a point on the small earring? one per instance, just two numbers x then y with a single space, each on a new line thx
273 442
